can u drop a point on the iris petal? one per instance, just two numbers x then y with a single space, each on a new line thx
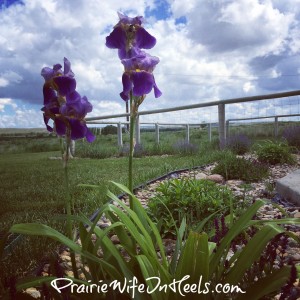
144 39
117 39
142 83
78 129
46 120
67 68
60 126
76 106
127 85
157 92
49 94
65 84
89 136
47 73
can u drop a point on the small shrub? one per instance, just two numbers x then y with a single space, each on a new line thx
274 153
189 198
233 167
238 144
109 129
292 136
184 147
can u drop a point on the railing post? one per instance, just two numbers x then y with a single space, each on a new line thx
222 133
120 139
137 130
157 133
72 148
227 128
276 127
209 131
187 134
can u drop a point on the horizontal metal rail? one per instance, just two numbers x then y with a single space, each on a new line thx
205 104
149 123
268 117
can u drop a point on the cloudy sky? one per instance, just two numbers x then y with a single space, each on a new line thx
208 50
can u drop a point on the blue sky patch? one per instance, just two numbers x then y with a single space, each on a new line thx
161 11
181 20
7 3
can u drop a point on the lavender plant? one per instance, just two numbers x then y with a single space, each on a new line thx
238 144
129 37
292 136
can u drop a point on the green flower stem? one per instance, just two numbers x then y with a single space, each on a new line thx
69 204
131 148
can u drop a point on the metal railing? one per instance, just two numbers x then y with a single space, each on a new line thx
276 117
221 112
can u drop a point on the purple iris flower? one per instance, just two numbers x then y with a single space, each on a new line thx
128 36
63 104
51 105
49 73
74 110
138 76
130 21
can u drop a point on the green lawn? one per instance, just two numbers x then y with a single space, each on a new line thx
32 190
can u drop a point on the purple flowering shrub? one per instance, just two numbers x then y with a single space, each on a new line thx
238 144
292 136
63 104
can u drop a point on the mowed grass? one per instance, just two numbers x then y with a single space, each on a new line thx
32 190
32 184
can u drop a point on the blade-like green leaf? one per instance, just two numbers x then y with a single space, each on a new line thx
269 284
178 246
194 259
140 217
237 228
44 230
252 252
149 271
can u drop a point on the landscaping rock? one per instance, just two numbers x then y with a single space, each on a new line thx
289 187
216 178
200 176
33 292
115 239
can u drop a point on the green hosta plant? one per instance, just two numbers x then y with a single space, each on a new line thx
194 269
187 198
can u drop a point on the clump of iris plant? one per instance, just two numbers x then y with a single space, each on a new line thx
130 37
67 109
63 104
